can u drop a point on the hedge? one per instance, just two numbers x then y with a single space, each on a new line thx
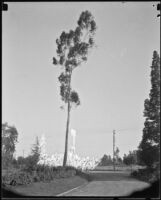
41 173
17 178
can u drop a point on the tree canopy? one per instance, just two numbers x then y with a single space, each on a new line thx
150 145
72 50
9 140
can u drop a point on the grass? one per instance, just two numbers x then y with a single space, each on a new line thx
60 185
52 188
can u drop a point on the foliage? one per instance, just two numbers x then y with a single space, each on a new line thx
48 173
32 160
72 50
14 163
106 160
150 145
130 158
30 164
35 152
41 173
9 140
18 178
147 174
21 160
83 163
138 158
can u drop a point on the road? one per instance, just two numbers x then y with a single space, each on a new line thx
108 183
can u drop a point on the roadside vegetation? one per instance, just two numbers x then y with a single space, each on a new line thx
149 147
23 174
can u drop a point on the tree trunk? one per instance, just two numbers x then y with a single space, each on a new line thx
67 126
66 137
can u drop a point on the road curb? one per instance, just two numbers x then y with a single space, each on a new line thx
61 194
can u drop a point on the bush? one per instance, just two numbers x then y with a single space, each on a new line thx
30 163
147 174
47 173
134 173
18 178
41 173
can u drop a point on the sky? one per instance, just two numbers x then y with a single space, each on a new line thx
112 84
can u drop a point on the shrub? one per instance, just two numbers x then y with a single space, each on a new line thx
147 174
41 173
30 164
134 173
18 178
47 173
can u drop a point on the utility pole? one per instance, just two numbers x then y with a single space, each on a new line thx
114 150
23 153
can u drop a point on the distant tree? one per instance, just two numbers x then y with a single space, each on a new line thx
129 159
72 50
9 140
31 160
35 151
14 162
150 144
135 155
20 161
139 160
120 160
105 160
110 160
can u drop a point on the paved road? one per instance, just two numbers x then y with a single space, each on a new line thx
108 184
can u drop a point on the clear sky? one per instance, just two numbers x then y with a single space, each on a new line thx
112 84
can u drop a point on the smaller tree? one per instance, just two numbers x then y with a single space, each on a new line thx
129 159
105 160
35 152
31 160
21 161
9 140
149 146
120 160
